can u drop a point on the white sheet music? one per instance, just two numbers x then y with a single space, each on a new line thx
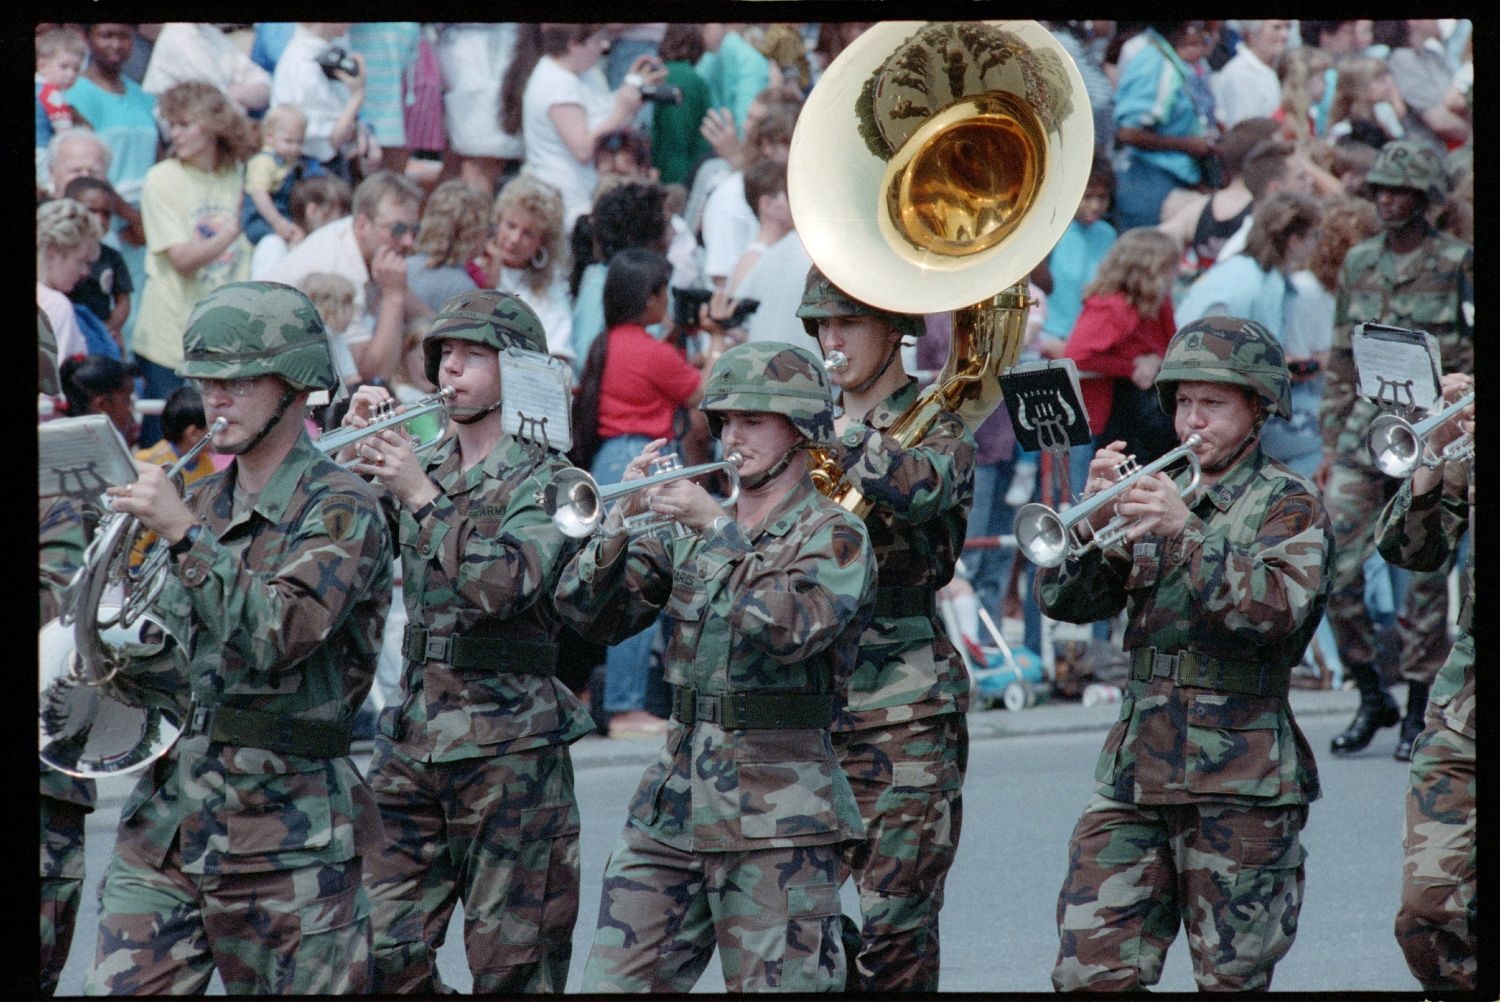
536 398
81 455
1397 368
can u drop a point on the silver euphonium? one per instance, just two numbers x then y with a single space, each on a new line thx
84 727
1399 447
1048 538
576 503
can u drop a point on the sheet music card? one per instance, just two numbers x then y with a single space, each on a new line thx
1396 367
536 398
1046 405
81 455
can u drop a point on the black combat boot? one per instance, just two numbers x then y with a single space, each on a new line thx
1413 722
1376 710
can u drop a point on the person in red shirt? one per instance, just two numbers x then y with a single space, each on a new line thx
1119 339
640 383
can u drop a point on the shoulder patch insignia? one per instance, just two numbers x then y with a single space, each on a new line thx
339 517
846 545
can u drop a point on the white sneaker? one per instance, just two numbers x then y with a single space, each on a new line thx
1022 485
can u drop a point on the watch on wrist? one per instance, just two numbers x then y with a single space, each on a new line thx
184 544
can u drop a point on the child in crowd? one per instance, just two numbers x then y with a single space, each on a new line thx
333 295
1075 259
60 53
106 291
182 427
1119 340
625 152
1303 75
271 174
315 200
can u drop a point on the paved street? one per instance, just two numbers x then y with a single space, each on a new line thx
1029 776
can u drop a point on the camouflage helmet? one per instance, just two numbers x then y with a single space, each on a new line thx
1226 350
486 316
1407 164
821 299
246 329
772 377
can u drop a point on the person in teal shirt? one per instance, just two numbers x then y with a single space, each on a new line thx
734 70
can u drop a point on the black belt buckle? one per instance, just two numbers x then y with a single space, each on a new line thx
198 720
706 708
1164 665
436 649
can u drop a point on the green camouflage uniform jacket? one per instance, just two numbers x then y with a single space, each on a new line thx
63 538
908 669
280 610
779 610
483 563
1430 289
1420 534
1247 580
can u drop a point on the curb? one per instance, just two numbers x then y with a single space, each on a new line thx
594 752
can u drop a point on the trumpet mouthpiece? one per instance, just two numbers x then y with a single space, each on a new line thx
734 459
836 361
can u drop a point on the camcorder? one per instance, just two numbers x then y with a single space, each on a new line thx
334 59
661 94
685 304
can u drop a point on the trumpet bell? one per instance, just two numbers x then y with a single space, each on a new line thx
83 729
572 502
1394 447
1042 535
935 163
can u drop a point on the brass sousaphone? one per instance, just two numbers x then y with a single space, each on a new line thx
933 166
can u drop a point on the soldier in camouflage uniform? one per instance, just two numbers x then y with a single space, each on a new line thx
240 849
734 836
1437 925
903 738
1204 782
471 767
1414 276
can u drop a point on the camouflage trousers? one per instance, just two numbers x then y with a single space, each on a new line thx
1354 498
908 780
772 913
1437 925
1231 875
304 931
499 834
62 868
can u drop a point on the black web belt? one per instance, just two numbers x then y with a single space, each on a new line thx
493 654
277 732
1248 678
735 711
898 602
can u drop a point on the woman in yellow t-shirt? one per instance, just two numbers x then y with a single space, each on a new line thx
190 206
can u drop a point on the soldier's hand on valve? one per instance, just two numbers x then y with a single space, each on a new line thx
389 456
155 501
686 502
1154 507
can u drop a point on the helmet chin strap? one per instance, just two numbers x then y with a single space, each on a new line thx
889 358
775 470
272 422
1249 440
471 418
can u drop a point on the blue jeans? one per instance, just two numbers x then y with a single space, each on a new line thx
627 665
1141 190
989 570
157 383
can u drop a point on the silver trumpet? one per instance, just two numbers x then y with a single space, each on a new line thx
1399 447
386 416
1048 538
575 501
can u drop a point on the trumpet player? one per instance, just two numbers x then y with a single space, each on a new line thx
1204 782
472 754
903 738
734 835
241 848
1412 275
1420 529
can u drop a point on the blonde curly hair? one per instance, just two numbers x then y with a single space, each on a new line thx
452 227
1136 265
236 138
544 203
64 225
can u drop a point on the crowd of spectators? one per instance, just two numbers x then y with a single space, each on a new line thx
383 166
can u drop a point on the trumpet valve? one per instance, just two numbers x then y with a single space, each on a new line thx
1126 467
